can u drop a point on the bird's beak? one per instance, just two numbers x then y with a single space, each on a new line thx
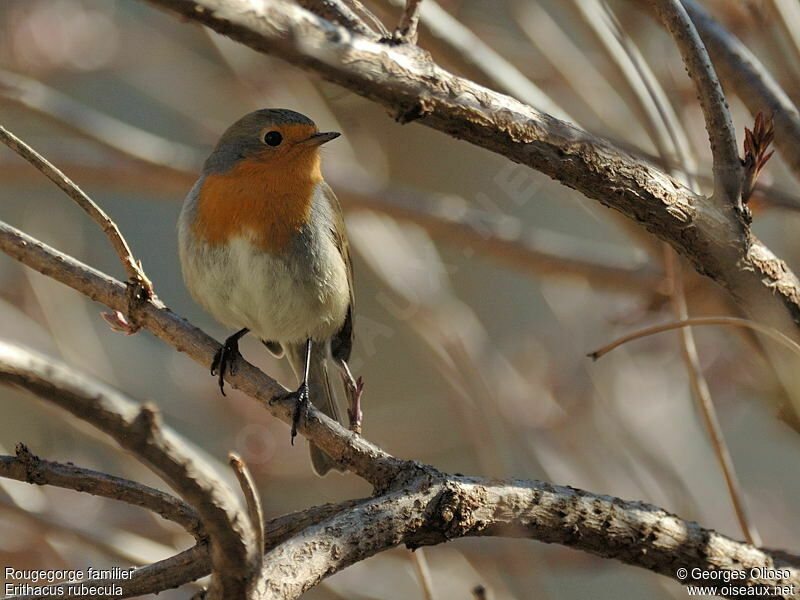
320 138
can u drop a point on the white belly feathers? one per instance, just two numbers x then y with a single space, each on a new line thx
285 297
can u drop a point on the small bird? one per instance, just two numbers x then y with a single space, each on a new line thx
263 248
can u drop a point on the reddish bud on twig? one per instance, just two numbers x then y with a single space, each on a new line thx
756 144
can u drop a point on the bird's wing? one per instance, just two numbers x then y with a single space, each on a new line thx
342 342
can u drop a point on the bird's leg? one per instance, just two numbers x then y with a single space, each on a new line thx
354 388
225 358
301 395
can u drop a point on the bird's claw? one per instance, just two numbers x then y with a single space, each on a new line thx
301 397
225 362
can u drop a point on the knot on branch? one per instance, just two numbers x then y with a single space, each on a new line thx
31 462
411 111
147 422
138 291
454 514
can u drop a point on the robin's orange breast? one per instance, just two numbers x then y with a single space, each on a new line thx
270 203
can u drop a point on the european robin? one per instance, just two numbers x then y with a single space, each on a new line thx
263 248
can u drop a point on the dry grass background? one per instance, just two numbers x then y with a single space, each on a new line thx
470 364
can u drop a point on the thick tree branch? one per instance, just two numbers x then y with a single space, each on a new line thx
434 508
404 80
25 466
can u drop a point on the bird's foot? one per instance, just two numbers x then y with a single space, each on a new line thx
301 397
225 360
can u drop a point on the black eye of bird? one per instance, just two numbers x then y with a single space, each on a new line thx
273 138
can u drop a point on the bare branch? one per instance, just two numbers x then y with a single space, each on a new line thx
423 572
194 563
337 11
25 466
137 429
462 41
702 396
742 72
404 79
407 28
435 507
773 334
252 498
721 134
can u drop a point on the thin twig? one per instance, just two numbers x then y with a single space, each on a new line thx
337 12
423 572
752 82
727 166
407 28
252 499
25 466
770 332
650 100
359 6
140 286
702 396
675 143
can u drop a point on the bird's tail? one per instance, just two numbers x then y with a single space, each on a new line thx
320 392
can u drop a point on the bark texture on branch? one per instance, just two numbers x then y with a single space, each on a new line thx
434 507
405 80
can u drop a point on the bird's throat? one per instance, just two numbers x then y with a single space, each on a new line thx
267 203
